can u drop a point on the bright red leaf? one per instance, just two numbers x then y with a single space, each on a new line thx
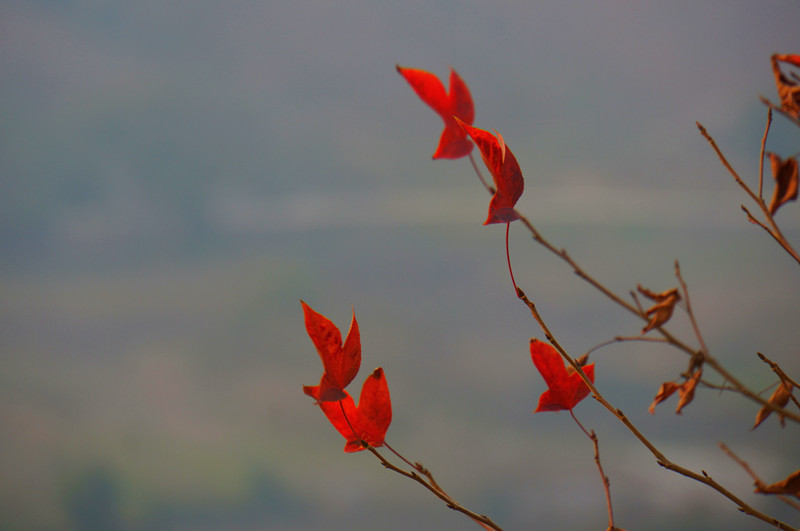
565 386
369 420
453 143
506 174
340 361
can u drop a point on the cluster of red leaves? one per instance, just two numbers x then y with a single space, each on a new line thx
366 422
565 387
457 103
458 113
788 89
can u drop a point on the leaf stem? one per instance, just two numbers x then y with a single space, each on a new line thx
508 258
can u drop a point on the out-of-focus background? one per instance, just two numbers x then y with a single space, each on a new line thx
176 176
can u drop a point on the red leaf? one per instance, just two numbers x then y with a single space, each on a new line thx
565 386
506 174
453 143
370 420
340 362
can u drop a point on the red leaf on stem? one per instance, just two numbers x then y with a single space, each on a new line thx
453 143
565 386
340 361
505 171
369 420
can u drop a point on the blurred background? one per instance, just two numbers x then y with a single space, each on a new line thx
177 175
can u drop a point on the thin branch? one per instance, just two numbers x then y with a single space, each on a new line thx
606 482
778 108
761 158
774 230
756 480
661 459
481 519
486 185
672 340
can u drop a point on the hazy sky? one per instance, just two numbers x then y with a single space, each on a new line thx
274 150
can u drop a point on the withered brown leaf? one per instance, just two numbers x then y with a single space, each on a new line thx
788 90
661 311
665 391
780 397
785 174
790 485
685 392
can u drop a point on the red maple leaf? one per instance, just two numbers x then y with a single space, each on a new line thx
505 170
369 420
565 386
340 361
453 143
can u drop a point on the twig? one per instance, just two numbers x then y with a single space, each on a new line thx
774 230
756 480
606 483
448 500
782 375
778 108
761 158
661 459
486 185
562 254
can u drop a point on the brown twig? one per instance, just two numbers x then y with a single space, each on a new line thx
782 375
773 228
486 185
672 340
661 459
756 480
432 486
778 108
761 157
606 482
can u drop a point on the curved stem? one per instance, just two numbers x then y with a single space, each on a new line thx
508 258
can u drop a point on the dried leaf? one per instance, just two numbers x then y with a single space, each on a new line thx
780 397
685 392
505 171
790 485
788 90
339 361
660 312
565 386
785 174
453 143
665 391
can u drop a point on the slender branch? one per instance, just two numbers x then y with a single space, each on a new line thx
486 185
774 230
661 459
778 108
761 158
606 483
756 480
689 311
562 254
481 519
